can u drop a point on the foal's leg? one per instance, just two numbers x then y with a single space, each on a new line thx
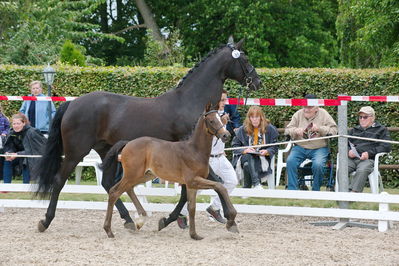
192 195
143 214
114 193
107 183
232 227
163 222
230 212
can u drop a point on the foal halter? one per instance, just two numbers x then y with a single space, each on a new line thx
209 126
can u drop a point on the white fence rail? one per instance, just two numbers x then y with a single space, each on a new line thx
383 215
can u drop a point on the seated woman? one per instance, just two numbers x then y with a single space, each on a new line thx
255 162
22 140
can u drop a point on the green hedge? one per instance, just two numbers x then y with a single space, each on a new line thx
277 83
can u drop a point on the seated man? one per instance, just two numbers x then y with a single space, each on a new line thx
362 152
307 123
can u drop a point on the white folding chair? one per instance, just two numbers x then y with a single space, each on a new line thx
280 162
375 179
92 159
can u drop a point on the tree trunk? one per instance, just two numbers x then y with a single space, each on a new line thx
150 23
103 17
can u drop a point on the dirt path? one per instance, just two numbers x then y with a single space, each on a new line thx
76 237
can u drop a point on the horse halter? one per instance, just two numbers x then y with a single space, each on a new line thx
209 128
247 69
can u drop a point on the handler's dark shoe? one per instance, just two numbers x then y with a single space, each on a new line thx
215 215
182 221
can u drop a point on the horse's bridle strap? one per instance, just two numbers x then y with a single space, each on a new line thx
208 126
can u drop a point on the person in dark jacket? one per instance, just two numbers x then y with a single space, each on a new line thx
234 122
4 129
362 152
22 140
255 162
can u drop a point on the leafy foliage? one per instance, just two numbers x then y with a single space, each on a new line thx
154 55
115 17
72 55
277 83
40 27
368 33
277 33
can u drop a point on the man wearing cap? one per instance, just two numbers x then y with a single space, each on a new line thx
307 123
362 152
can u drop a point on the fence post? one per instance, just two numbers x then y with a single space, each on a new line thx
383 226
343 182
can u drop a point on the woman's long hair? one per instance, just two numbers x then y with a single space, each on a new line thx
255 111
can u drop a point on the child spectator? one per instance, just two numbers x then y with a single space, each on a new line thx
37 111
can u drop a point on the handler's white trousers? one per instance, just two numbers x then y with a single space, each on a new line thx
223 168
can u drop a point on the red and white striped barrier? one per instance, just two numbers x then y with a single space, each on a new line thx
285 102
35 98
243 101
369 98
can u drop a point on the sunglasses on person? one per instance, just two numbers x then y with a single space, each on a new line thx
364 116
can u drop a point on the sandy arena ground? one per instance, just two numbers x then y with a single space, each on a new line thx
76 237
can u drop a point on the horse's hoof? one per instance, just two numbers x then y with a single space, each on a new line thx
139 222
161 224
110 235
196 237
232 227
41 226
130 226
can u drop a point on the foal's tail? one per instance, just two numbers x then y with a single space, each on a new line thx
51 159
112 155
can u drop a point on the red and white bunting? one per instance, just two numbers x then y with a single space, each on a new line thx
243 101
34 98
369 98
285 102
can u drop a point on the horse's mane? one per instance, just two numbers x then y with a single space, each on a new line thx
190 133
210 54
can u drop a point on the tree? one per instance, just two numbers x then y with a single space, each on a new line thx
368 33
278 33
71 55
41 27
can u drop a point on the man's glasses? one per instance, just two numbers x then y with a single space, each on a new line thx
363 116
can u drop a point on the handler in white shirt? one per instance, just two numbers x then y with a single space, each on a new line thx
221 166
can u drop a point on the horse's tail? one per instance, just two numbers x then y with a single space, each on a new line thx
51 159
112 155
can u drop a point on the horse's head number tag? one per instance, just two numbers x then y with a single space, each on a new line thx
235 53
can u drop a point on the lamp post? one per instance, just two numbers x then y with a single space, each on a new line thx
49 73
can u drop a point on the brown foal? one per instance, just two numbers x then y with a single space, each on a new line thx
185 162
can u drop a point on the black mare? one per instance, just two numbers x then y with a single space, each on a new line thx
100 119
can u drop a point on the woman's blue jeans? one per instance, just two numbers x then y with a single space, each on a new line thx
7 171
297 156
